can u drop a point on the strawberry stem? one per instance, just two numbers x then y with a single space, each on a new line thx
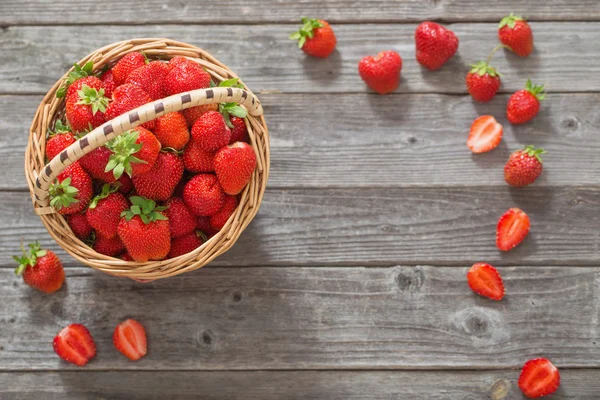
531 151
146 209
28 259
500 46
306 31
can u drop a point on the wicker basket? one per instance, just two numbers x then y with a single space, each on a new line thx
39 175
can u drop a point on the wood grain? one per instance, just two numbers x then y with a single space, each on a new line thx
268 61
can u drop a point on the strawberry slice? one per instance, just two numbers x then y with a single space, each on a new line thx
539 377
512 228
130 339
485 280
485 134
75 344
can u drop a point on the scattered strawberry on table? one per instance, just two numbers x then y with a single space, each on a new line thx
75 344
524 104
485 280
512 228
315 37
382 72
130 339
485 134
539 377
523 166
41 269
515 32
435 45
483 81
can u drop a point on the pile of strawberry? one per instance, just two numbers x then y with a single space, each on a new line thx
160 190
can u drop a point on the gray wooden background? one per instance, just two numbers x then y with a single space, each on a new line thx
350 283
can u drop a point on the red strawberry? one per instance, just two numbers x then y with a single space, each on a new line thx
382 72
203 224
523 166
524 104
58 140
144 230
86 107
172 131
159 183
151 78
239 132
197 160
126 98
203 195
126 257
134 152
234 166
219 220
211 132
482 81
179 60
75 344
485 280
78 73
435 44
109 247
193 113
485 134
79 225
539 377
185 77
512 228
181 220
315 37
184 244
108 80
41 269
104 211
95 164
90 81
72 191
515 32
130 339
126 65
125 184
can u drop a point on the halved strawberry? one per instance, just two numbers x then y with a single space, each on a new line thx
512 228
485 280
130 339
485 134
539 377
75 344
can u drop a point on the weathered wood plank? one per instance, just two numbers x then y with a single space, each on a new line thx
376 141
267 60
312 318
239 11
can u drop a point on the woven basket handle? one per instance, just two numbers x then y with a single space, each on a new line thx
111 129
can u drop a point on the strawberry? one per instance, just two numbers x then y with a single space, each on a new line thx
185 77
75 344
109 247
524 104
197 160
539 377
181 220
134 152
126 65
159 183
95 164
485 280
126 257
86 107
211 131
382 72
41 269
79 225
239 132
104 211
108 80
523 166
515 32
219 220
184 244
90 81
193 113
144 230
234 166
72 191
126 98
229 110
179 60
434 45
130 339
203 224
172 131
125 184
203 195
512 228
78 73
485 134
58 140
315 37
151 78
482 82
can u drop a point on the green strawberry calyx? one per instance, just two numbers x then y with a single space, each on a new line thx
510 20
107 189
531 151
77 73
536 90
146 209
306 31
59 129
123 147
28 259
229 109
481 68
62 194
93 97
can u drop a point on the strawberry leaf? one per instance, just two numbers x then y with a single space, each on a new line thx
77 73
94 98
62 194
146 209
306 30
123 147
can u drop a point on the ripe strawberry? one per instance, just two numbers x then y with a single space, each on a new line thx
79 225
184 244
234 166
95 164
181 220
315 37
515 32
203 195
134 152
72 191
523 166
435 45
211 132
86 107
78 73
382 72
108 80
126 257
539 377
41 269
485 134
239 132
109 247
125 184
232 110
524 104
185 77
203 224
126 98
150 77
219 220
58 140
482 81
485 280
197 160
179 60
144 230
172 131
512 228
90 81
159 183
130 339
75 344
126 65
192 114
104 211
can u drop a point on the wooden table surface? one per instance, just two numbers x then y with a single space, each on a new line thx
350 283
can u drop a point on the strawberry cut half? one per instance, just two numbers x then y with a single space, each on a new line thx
75 344
485 280
512 228
539 377
130 339
485 134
